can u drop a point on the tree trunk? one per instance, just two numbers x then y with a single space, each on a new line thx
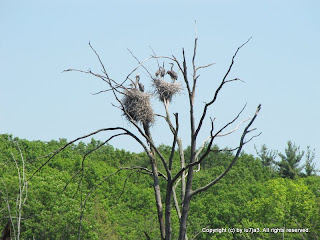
157 192
186 207
156 185
168 210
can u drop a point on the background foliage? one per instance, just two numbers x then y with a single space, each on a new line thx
256 193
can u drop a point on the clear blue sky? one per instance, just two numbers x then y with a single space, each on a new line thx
280 65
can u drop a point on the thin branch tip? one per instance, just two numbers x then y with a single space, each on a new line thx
258 109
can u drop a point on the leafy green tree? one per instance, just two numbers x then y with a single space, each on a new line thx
122 206
290 161
310 166
267 156
284 203
268 160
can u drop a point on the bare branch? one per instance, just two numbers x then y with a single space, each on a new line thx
139 63
146 171
104 69
233 80
212 137
21 196
233 130
167 117
102 91
236 148
155 55
185 75
218 89
85 136
242 141
81 170
87 72
174 141
194 67
109 81
182 163
175 200
205 66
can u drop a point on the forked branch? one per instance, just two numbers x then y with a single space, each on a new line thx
242 142
218 89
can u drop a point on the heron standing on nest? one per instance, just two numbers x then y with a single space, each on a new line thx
141 87
158 72
161 71
138 83
137 80
173 74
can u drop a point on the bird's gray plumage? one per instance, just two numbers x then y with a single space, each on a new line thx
141 87
173 74
136 84
163 71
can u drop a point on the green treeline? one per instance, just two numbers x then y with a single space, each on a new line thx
258 193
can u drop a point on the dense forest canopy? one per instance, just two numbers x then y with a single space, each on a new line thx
259 192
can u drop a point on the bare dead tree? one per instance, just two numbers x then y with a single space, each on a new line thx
14 221
136 107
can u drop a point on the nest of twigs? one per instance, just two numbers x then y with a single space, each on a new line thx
166 90
138 107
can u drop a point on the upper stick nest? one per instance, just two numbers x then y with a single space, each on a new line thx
166 90
137 105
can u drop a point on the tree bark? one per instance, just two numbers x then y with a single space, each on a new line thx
156 185
168 209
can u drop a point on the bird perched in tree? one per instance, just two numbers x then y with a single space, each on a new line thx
158 72
137 80
138 83
134 85
141 87
163 71
173 74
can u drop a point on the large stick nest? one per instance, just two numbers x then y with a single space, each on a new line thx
137 106
166 90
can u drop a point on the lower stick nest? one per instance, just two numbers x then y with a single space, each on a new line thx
137 105
166 90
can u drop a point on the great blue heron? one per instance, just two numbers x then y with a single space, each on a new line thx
137 80
163 71
141 87
158 72
173 74
138 83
